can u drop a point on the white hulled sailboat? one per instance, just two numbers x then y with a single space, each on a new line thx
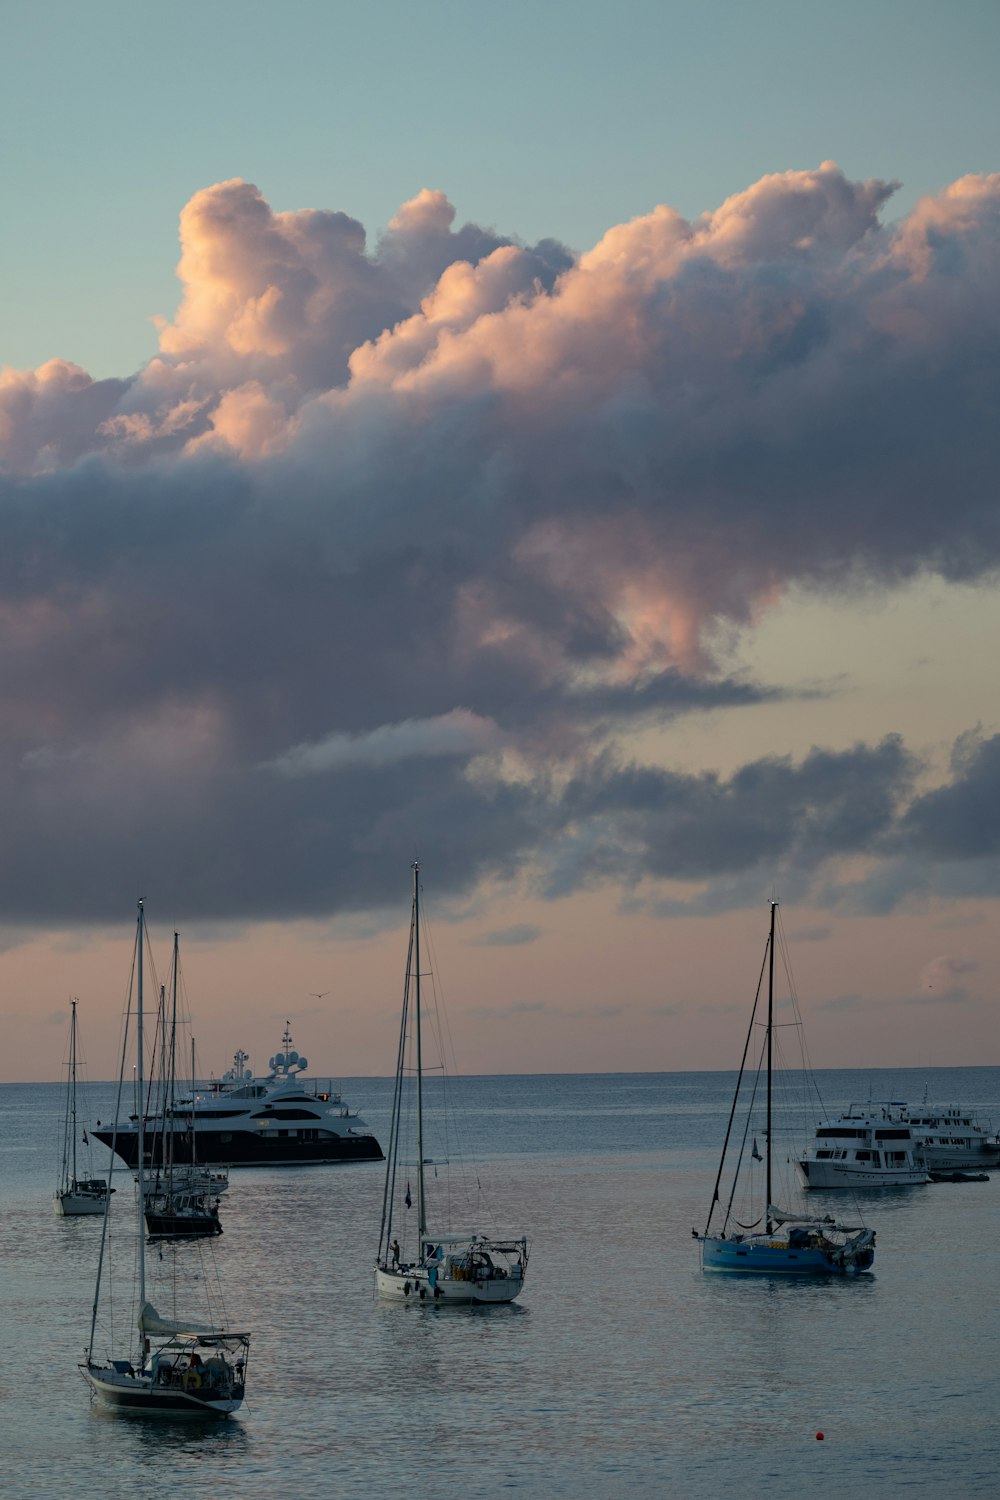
436 1264
169 1366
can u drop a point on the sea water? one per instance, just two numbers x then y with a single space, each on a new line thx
621 1371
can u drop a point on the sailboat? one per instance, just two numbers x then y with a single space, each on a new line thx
75 1195
436 1264
181 1199
789 1244
164 1366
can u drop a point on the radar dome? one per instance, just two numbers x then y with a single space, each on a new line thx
303 1064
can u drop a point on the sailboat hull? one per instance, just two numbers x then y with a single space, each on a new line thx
121 1391
415 1285
175 1226
769 1258
73 1204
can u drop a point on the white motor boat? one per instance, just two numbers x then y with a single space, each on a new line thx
950 1138
863 1148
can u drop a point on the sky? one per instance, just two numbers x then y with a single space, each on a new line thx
560 446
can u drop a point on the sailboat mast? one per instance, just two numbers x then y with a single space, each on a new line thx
172 1086
421 1207
141 1123
72 1086
194 1157
770 1047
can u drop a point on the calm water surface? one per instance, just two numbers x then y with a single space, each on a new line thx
623 1371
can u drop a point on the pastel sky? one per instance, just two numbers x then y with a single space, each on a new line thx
560 445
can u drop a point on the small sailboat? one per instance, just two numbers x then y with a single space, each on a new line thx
436 1264
182 1200
789 1243
76 1195
159 1365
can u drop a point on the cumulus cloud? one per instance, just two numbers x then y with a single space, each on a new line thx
393 543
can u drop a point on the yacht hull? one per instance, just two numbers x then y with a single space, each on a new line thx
415 1286
246 1148
946 1159
824 1174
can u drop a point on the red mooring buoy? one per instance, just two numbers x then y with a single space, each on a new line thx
820 1436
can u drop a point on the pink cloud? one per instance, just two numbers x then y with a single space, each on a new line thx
49 416
616 428
248 423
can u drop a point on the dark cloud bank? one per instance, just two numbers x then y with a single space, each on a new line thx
388 552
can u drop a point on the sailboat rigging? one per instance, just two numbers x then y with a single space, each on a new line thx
181 1199
435 1265
169 1366
789 1244
76 1195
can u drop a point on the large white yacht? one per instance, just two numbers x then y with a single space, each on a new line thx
246 1121
863 1148
950 1138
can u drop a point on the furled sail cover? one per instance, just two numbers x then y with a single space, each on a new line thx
150 1322
782 1216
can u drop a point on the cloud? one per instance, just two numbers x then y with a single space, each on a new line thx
639 821
817 934
510 937
850 1003
941 978
458 733
392 547
946 842
961 819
